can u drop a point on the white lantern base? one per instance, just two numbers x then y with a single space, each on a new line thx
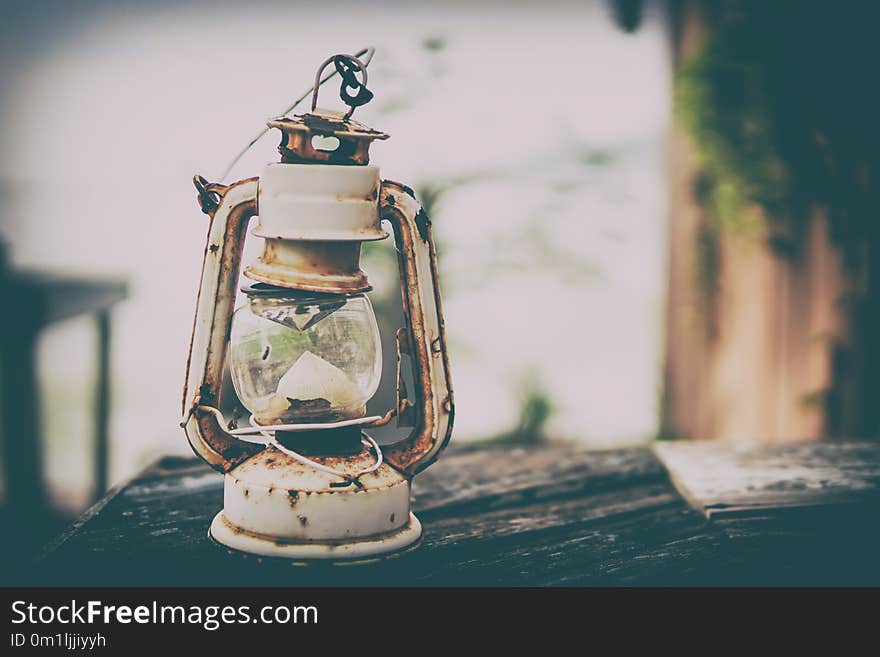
276 506
349 552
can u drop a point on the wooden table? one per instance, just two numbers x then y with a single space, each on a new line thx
546 515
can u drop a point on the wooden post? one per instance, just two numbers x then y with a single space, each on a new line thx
748 355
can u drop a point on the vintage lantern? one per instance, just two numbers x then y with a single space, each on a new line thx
305 481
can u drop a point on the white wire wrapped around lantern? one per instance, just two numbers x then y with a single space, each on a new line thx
268 433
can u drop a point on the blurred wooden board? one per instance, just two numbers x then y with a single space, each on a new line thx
722 480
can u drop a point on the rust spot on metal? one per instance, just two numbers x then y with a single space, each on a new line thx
209 439
391 519
385 419
412 236
266 352
206 394
247 492
423 223
235 454
214 248
303 520
292 497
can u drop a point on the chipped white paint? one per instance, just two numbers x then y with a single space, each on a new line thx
319 203
274 505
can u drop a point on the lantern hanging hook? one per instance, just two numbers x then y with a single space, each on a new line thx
363 57
347 66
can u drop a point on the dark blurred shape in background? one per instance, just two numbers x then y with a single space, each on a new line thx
38 299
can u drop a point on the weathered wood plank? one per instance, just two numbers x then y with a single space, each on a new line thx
493 478
541 543
659 545
567 513
723 479
549 516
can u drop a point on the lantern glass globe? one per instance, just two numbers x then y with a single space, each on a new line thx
304 358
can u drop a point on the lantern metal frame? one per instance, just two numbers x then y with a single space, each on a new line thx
276 505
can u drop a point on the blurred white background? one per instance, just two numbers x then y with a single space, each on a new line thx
540 125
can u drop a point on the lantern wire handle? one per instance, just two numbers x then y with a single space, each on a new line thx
362 57
268 432
371 421
248 434
367 441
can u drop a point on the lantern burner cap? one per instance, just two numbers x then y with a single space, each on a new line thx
299 146
326 122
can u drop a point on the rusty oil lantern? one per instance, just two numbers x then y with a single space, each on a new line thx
305 481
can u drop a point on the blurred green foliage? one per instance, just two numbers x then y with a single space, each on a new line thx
535 410
782 101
